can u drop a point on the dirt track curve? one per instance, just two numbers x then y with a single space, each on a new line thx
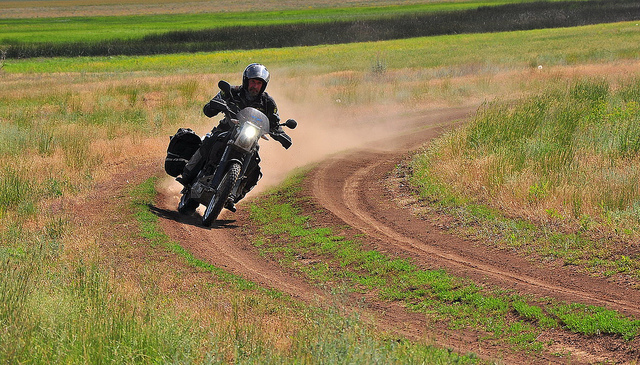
352 187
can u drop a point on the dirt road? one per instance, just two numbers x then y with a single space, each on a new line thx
352 187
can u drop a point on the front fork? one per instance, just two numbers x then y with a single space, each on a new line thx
236 191
245 161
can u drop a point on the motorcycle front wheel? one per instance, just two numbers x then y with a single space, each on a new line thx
222 194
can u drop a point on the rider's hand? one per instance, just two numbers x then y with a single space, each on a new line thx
210 109
283 138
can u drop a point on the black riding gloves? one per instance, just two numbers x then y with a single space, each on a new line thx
283 138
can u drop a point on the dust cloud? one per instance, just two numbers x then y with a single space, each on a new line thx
325 127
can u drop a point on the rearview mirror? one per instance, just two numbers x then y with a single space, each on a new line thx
224 86
290 123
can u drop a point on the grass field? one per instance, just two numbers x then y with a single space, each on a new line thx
68 122
562 165
82 28
430 57
207 32
79 8
137 26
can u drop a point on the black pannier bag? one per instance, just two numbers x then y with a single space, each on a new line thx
182 146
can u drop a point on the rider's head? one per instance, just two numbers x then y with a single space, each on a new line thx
255 79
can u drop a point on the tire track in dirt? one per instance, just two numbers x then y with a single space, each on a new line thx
224 247
352 188
229 247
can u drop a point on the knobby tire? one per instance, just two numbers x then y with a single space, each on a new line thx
222 194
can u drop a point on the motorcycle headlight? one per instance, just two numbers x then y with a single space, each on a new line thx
248 135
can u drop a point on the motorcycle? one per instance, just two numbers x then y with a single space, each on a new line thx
216 185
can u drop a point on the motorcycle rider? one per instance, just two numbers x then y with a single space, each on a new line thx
250 94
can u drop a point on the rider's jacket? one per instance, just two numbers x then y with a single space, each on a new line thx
263 103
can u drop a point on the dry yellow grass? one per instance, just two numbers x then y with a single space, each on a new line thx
578 195
167 102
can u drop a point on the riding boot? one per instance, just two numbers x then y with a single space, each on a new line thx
191 169
230 204
253 176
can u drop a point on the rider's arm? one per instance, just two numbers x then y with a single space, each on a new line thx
277 132
209 110
272 113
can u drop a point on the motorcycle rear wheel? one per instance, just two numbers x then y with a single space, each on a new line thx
222 194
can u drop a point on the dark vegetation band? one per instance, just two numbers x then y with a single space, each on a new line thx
511 17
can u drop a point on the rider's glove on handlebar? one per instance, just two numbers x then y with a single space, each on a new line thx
209 110
283 138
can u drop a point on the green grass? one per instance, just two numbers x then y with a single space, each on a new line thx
89 29
509 17
566 160
336 338
54 309
57 311
289 234
592 320
20 193
442 56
